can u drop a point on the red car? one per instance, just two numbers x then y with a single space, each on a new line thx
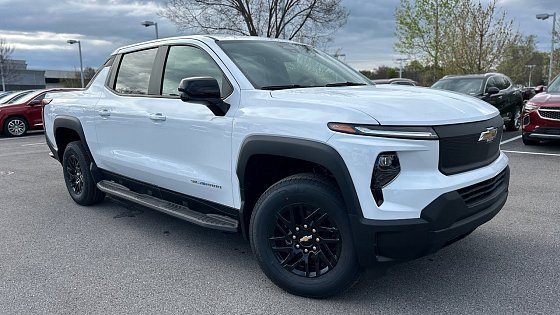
541 115
23 113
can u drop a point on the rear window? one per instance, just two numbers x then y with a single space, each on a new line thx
134 72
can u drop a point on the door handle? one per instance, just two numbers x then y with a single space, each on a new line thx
104 112
158 117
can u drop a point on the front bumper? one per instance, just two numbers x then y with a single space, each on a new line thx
447 219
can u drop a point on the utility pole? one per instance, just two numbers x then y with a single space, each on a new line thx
531 67
400 60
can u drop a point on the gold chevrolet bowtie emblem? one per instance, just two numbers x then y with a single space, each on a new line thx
489 135
306 238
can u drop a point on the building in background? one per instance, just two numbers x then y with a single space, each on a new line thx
21 78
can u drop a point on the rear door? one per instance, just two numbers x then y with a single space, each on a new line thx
122 123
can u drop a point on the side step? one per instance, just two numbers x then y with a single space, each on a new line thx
213 221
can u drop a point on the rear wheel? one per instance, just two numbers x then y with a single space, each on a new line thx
301 237
15 127
77 175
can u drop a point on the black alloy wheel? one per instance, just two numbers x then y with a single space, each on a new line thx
75 176
305 241
79 180
301 236
515 122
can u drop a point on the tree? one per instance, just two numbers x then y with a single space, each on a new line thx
7 70
521 59
75 82
422 30
480 37
311 21
453 36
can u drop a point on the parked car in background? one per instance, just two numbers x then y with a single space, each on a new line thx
2 94
541 116
399 81
11 96
527 92
494 88
23 113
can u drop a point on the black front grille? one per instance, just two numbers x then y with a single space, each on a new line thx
480 192
550 113
460 149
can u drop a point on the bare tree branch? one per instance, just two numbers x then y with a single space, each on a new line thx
311 21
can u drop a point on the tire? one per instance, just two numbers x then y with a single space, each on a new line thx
15 127
304 212
515 123
528 141
77 175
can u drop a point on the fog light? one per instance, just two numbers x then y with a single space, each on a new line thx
386 169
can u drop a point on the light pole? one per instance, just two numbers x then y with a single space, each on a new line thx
150 23
531 67
400 60
71 42
543 17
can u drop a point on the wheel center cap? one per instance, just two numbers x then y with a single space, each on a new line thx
306 238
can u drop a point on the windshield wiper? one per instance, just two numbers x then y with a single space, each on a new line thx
344 84
284 87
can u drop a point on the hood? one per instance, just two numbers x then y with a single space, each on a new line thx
546 99
398 105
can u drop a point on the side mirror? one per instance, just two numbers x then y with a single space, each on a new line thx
206 90
35 102
492 90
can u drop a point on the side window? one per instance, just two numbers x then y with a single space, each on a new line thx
504 83
134 72
491 83
188 61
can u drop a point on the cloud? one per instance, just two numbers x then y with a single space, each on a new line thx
39 29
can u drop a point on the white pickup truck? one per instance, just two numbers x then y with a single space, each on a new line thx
322 171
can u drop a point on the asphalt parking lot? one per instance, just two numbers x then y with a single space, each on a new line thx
58 257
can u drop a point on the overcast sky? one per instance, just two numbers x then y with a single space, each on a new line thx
39 29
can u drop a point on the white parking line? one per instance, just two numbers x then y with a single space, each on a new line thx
28 144
510 140
532 153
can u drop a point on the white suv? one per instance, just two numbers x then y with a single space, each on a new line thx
324 172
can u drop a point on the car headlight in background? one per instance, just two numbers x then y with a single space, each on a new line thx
403 132
530 106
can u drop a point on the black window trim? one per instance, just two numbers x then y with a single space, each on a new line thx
156 77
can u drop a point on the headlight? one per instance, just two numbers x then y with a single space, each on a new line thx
531 106
387 167
420 133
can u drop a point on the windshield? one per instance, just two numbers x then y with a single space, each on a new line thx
24 98
279 65
554 86
10 98
471 86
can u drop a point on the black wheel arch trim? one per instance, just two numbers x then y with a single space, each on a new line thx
72 123
306 150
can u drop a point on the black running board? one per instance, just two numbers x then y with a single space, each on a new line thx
210 220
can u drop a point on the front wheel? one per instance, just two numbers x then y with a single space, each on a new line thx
301 237
515 123
15 127
78 177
